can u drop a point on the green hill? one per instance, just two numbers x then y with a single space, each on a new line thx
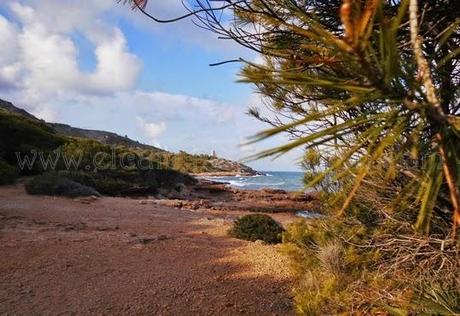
115 163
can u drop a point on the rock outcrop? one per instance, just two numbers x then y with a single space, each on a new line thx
225 167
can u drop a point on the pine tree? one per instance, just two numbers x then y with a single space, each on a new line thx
370 84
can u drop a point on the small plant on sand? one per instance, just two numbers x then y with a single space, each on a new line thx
257 227
53 184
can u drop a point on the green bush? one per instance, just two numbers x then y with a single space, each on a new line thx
330 272
112 186
24 135
257 227
8 173
54 184
113 182
130 182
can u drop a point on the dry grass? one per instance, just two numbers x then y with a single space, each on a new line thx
331 258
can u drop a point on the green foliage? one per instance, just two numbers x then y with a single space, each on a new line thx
104 183
56 185
116 187
32 138
257 227
333 274
114 171
372 263
19 134
369 89
8 173
130 182
109 157
343 82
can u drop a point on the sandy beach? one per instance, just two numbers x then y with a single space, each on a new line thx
137 256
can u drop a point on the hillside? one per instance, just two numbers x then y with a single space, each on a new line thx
181 161
104 137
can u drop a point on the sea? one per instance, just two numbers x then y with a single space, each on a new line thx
288 181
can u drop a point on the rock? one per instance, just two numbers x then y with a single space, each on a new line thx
144 241
87 199
106 229
302 197
145 202
170 203
273 191
180 187
204 204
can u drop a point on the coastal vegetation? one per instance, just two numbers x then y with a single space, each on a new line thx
254 227
369 89
53 184
110 164
7 173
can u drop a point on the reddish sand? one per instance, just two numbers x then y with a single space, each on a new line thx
115 256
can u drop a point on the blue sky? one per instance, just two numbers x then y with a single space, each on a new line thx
102 66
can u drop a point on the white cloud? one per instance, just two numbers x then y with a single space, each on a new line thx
151 130
9 68
116 68
41 59
39 66
46 113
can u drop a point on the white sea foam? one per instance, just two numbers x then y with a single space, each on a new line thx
308 215
276 180
237 183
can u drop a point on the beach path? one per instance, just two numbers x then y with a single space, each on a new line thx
114 256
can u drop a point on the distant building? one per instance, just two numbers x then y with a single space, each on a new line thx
214 154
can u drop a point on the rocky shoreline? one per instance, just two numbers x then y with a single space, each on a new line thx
227 174
218 196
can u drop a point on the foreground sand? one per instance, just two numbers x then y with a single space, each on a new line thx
117 256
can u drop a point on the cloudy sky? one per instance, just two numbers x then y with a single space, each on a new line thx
96 64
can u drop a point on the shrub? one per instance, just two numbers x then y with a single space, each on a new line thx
8 173
111 183
112 186
24 135
257 227
53 184
328 271
130 182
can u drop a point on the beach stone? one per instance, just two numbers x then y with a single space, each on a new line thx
180 187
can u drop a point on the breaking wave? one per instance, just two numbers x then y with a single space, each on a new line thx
289 181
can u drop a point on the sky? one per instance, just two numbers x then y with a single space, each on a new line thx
97 64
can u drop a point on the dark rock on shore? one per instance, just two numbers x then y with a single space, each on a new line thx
216 196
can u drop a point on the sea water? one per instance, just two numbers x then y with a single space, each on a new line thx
288 181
